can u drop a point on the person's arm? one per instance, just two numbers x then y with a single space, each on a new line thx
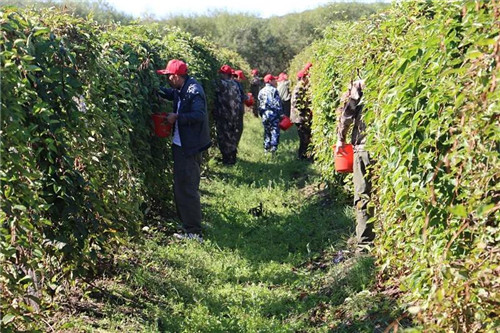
277 106
243 96
166 93
261 99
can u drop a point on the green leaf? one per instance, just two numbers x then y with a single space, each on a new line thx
474 54
19 207
40 30
28 57
483 209
486 41
8 318
459 210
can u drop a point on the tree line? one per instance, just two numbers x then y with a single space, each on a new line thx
267 44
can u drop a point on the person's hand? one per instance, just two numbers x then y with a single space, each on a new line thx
340 145
171 118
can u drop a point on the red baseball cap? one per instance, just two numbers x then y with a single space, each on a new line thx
255 71
239 74
308 65
174 66
301 73
268 78
282 77
226 69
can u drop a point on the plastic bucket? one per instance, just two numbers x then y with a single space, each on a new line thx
285 123
344 158
162 128
249 102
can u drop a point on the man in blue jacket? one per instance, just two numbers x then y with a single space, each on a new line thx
191 137
271 111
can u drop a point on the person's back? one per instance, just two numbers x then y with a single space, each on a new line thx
270 109
228 99
301 103
227 114
269 100
284 90
301 114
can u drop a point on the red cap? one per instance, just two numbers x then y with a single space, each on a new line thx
226 69
255 71
308 65
239 74
282 77
301 73
268 78
174 66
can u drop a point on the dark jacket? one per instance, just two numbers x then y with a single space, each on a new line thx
192 116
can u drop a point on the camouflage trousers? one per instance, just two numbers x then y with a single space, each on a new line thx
228 135
362 189
271 121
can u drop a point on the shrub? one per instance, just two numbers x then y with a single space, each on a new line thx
432 109
80 166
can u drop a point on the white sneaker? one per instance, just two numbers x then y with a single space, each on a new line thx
190 235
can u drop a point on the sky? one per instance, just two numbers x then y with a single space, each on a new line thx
261 8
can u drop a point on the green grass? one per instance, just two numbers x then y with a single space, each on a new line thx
271 232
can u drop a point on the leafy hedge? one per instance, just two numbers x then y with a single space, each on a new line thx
432 101
80 166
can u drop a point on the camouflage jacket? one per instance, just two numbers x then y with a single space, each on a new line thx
269 100
300 112
350 113
228 101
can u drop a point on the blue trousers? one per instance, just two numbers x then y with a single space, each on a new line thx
271 121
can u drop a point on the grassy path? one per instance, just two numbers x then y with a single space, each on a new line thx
267 263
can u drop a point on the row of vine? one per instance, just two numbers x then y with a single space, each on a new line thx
80 166
432 109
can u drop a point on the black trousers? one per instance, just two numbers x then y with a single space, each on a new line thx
286 107
304 132
186 189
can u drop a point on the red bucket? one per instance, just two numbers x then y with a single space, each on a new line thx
162 128
249 102
285 123
344 158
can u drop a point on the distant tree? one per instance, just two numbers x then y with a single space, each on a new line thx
270 44
100 10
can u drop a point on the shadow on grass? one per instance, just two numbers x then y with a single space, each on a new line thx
316 293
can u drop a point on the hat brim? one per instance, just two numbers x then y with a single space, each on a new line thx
162 72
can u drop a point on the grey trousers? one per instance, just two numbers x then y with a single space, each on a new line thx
362 189
186 189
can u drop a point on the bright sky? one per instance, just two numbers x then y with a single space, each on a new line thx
262 8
